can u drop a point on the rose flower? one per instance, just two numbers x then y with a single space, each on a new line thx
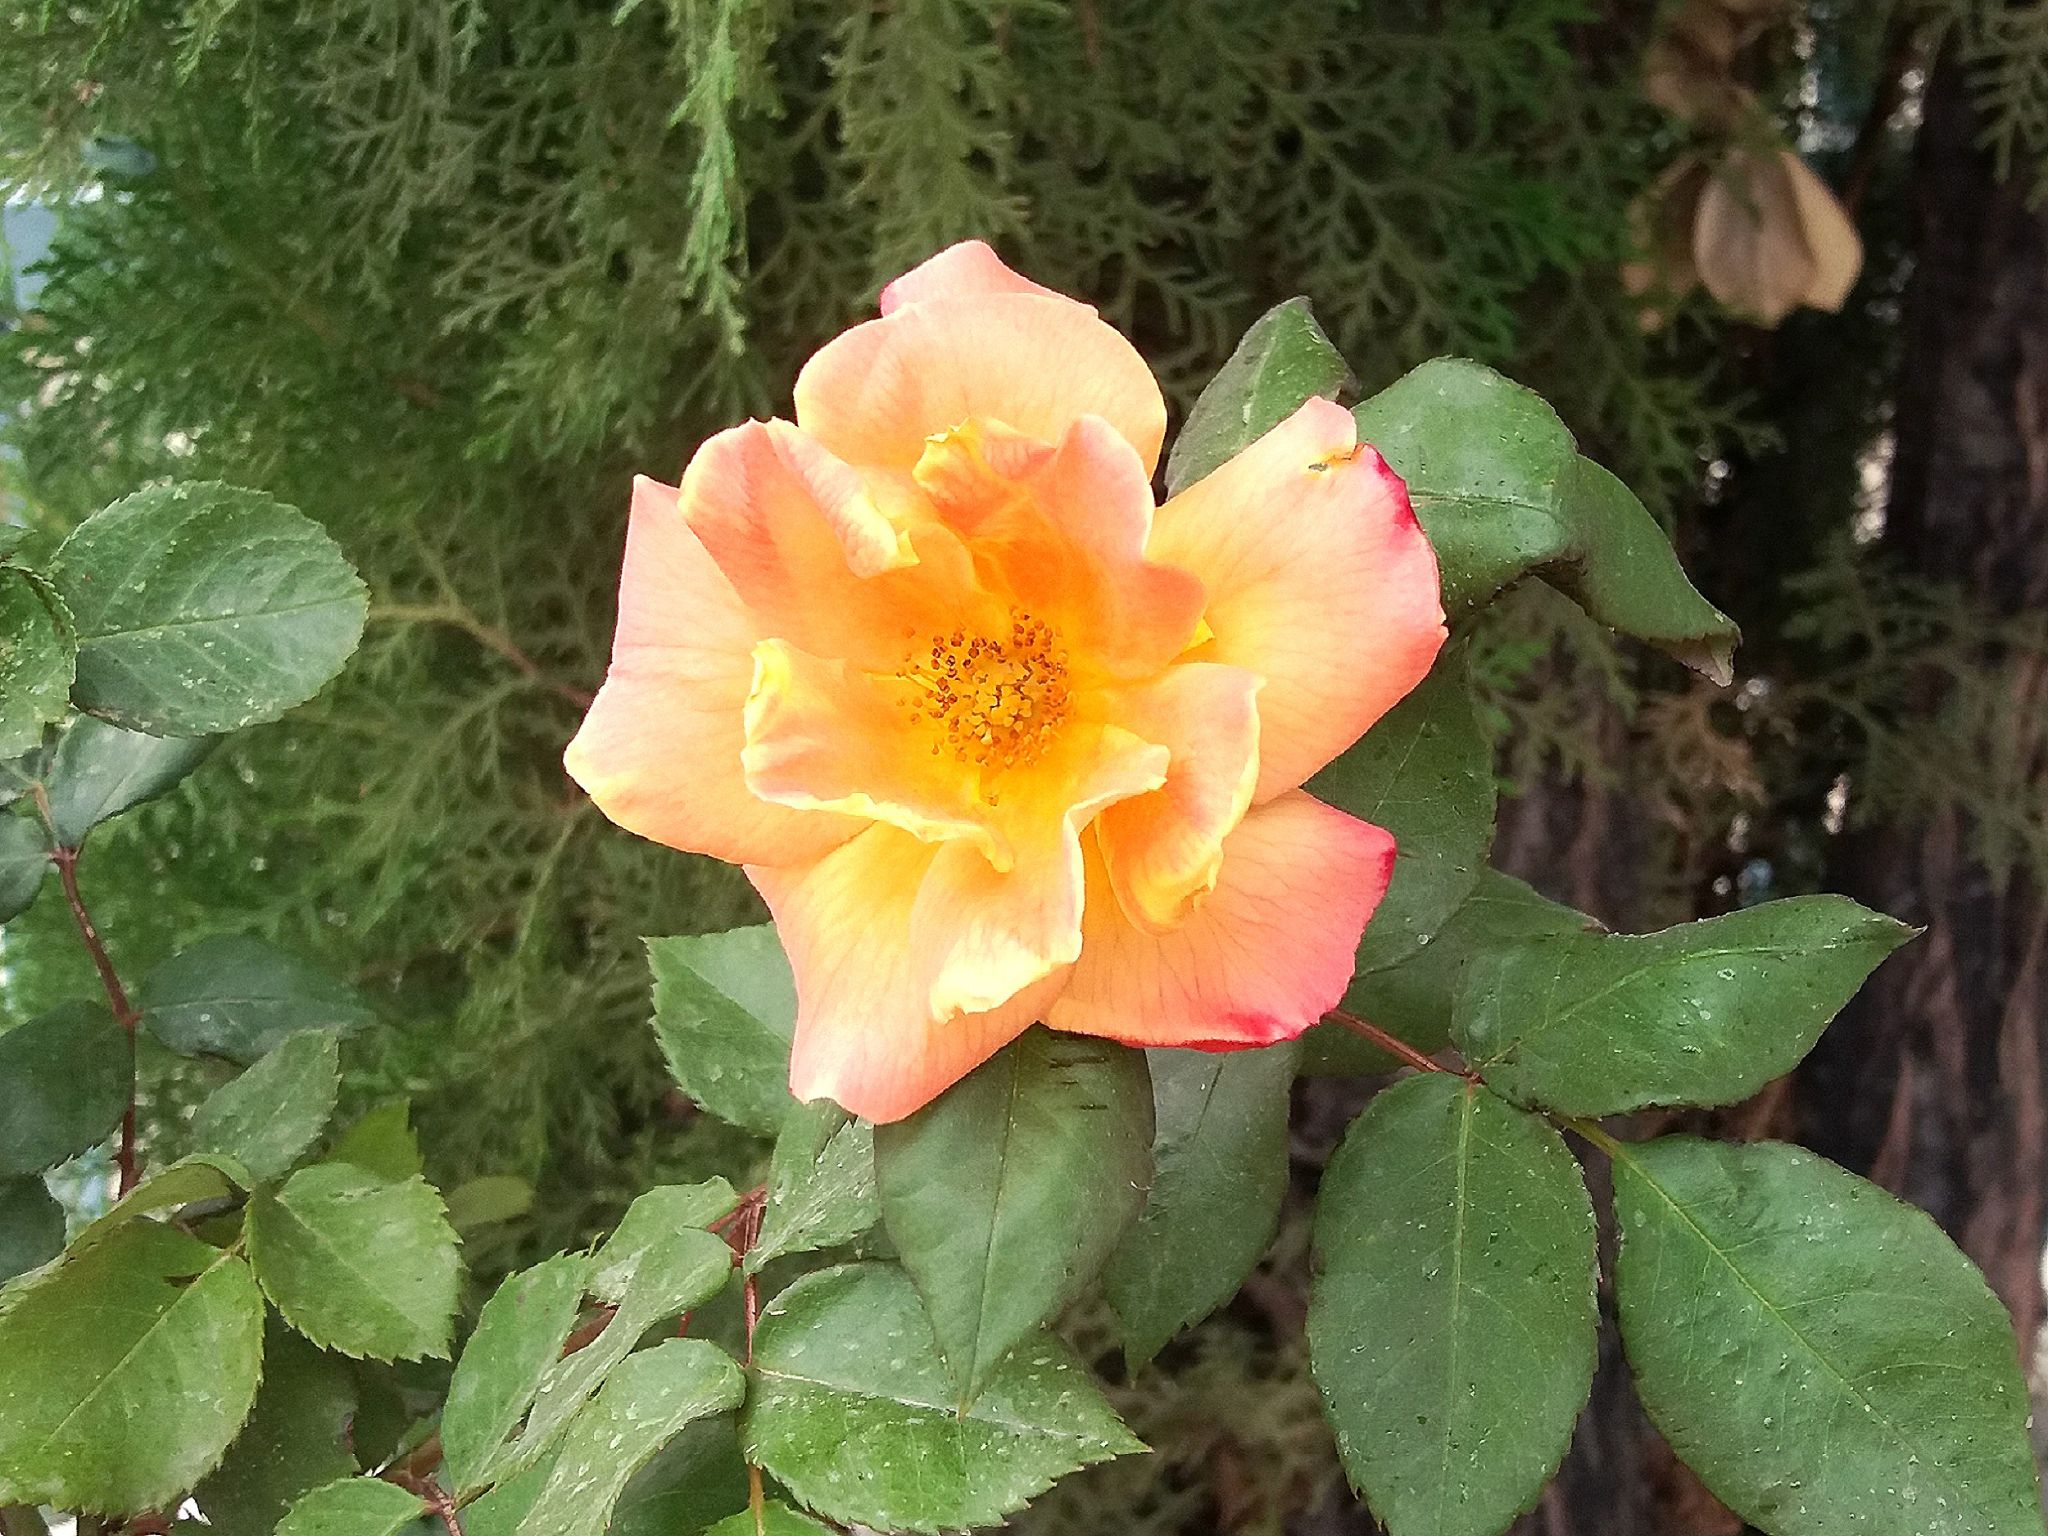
998 739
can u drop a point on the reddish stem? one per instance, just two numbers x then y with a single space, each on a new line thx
1391 1044
66 860
433 1493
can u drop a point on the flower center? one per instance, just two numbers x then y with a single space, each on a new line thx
996 700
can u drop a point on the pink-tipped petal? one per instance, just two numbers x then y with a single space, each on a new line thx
1262 957
1163 851
874 394
1319 579
660 748
961 271
866 1036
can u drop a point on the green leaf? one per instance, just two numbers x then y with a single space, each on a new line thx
777 1519
1819 1353
650 1222
1502 492
1452 1322
1705 1013
648 1401
20 775
24 861
296 1438
202 1176
1220 1155
504 1509
658 1264
65 1078
1625 576
357 1506
1006 1194
357 1264
100 770
276 1109
853 1412
1283 360
37 655
381 1142
1485 461
125 1372
488 1199
1425 773
694 1481
31 1225
1412 1000
237 996
821 1184
518 1338
202 608
724 1012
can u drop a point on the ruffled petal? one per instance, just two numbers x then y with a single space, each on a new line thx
659 751
1319 579
994 932
1035 362
1061 530
822 736
1163 851
961 271
1261 958
798 534
866 1035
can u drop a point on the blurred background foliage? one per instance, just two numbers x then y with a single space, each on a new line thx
444 273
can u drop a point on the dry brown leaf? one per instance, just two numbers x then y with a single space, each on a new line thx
1691 86
1660 227
1749 242
1829 234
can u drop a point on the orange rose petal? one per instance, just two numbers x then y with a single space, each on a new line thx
1163 851
866 1036
994 932
1263 956
1320 580
660 748
959 271
1035 362
804 544
821 735
1062 530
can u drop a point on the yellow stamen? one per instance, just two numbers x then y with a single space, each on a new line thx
996 700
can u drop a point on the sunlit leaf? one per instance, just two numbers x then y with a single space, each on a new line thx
853 1411
125 1372
356 1264
724 1011
201 608
268 1116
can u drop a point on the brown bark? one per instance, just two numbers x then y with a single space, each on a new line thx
1932 1080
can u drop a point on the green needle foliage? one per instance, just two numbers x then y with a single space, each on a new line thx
444 274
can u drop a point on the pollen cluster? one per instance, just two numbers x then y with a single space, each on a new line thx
994 700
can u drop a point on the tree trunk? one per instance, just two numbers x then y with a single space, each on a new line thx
1932 1081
